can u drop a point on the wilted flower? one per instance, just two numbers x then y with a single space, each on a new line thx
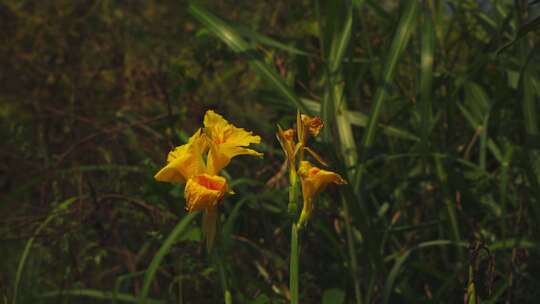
286 139
312 124
313 181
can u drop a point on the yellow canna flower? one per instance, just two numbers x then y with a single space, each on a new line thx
226 141
313 181
185 161
204 189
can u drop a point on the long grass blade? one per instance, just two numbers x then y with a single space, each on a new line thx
340 33
399 42
336 86
294 266
20 267
265 40
235 41
426 76
162 252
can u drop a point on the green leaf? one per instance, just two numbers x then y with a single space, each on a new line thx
522 31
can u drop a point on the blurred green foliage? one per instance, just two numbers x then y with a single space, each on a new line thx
430 110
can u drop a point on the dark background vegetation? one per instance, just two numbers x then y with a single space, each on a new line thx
446 196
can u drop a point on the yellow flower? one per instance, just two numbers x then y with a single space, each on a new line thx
226 141
204 188
313 181
185 161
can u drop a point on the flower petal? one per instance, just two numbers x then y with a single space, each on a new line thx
286 140
185 161
220 156
226 141
204 191
313 181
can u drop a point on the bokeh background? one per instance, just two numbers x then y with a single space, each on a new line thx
430 111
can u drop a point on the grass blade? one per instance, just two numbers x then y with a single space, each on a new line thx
388 286
20 267
426 77
400 41
401 38
295 254
162 252
262 39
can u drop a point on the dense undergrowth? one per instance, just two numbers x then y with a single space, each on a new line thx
432 121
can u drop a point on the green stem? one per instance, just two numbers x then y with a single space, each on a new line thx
293 271
226 292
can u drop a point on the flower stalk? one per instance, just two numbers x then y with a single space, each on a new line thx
293 194
302 175
294 267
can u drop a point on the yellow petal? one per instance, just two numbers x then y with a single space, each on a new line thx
220 156
226 141
185 161
313 181
286 139
204 191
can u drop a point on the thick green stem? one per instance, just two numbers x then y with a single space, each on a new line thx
293 271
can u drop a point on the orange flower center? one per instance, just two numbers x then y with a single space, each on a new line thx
209 183
313 171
